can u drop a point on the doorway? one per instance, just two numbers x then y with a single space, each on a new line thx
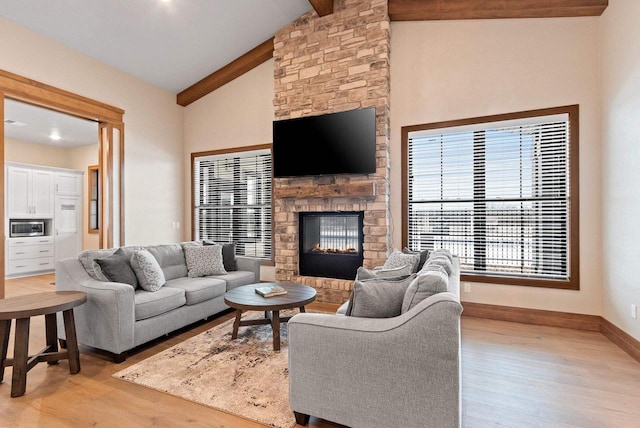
108 137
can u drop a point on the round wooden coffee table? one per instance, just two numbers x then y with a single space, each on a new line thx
245 298
21 309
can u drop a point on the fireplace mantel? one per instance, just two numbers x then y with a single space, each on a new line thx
327 191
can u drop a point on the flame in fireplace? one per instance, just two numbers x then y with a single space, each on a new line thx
319 249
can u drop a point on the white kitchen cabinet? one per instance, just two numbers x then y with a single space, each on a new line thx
68 227
29 255
29 193
68 183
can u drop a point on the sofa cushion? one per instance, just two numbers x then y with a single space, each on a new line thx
425 284
87 258
378 298
397 258
198 290
149 304
148 271
171 259
228 254
424 255
441 261
401 271
204 261
236 278
117 268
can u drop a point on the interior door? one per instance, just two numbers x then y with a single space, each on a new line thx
68 226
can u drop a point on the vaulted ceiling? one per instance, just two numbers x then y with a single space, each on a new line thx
192 47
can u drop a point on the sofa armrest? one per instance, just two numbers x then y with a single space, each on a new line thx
106 320
364 372
249 264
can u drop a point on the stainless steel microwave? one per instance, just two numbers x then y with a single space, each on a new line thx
18 228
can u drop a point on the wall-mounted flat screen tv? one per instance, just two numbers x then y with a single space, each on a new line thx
335 143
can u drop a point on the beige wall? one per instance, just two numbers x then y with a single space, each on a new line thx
153 127
238 114
621 157
461 69
35 154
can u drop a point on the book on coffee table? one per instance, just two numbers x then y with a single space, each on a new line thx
272 290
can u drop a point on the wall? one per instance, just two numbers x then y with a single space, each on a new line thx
153 126
35 154
621 157
445 70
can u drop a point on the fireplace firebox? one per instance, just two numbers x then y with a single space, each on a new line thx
331 244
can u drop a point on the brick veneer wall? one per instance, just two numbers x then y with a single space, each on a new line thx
324 65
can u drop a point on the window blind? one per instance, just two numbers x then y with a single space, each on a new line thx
495 194
233 200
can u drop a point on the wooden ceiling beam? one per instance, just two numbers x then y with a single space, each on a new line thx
425 10
322 7
226 74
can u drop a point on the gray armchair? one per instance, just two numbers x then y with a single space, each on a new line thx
390 372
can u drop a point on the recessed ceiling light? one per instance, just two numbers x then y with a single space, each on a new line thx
55 136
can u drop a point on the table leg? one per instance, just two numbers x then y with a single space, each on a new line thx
72 341
236 324
52 335
5 329
302 309
275 325
20 357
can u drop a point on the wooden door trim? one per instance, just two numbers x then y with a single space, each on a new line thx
31 91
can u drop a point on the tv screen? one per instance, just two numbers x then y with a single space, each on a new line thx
335 143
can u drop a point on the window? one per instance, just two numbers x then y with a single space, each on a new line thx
232 199
94 199
501 192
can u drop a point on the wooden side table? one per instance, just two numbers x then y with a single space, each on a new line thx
22 308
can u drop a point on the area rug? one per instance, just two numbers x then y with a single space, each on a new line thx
244 377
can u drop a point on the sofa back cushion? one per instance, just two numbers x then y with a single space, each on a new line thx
429 281
171 259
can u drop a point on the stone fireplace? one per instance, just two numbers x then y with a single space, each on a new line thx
325 65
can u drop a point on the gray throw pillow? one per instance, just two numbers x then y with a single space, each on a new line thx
425 285
378 298
442 252
204 261
397 258
424 255
228 255
148 270
364 273
117 268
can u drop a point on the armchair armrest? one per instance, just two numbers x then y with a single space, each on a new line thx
106 320
365 372
249 264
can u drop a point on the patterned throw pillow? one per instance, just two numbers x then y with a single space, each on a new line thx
228 254
397 259
424 255
148 270
204 261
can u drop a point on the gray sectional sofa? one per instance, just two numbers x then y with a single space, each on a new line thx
400 371
118 317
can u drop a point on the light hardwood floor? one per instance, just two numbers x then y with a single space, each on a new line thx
513 375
